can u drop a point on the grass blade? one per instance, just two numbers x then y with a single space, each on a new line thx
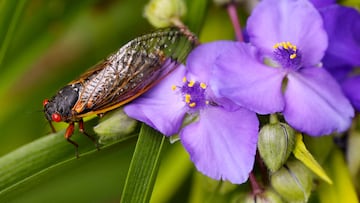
144 166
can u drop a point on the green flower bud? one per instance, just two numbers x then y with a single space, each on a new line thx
276 142
268 196
114 126
163 13
293 182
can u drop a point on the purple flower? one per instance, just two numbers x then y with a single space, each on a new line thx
222 140
322 3
289 37
342 25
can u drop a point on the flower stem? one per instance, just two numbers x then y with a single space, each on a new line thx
256 188
262 168
273 119
231 9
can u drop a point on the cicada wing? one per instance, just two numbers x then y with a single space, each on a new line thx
133 70
117 101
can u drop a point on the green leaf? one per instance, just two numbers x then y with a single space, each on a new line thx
343 188
174 170
30 162
144 166
196 15
302 154
87 179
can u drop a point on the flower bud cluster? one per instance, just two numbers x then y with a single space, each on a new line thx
163 13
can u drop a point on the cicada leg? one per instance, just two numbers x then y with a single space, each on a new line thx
52 127
68 133
82 130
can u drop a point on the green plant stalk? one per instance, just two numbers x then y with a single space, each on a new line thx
144 166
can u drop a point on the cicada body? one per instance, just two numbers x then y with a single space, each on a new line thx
120 78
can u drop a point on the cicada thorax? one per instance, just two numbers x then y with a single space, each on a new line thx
121 77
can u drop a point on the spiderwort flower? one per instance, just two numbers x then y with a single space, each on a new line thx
342 25
289 37
222 140
322 3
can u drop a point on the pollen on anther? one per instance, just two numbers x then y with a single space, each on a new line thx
285 45
173 87
191 83
289 44
192 104
187 98
292 56
184 79
203 85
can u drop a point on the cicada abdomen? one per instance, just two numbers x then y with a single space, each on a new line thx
120 78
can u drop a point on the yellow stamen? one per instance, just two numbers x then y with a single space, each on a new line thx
193 104
191 83
184 79
292 56
187 98
285 45
207 102
289 45
203 85
173 87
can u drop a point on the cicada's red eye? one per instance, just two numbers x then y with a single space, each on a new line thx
46 101
56 117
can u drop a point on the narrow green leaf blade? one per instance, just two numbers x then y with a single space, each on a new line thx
196 15
144 166
302 154
41 155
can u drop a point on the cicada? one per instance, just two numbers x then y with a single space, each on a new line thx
119 79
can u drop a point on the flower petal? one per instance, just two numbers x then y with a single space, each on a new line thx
315 103
351 90
343 27
200 61
298 22
240 77
322 3
222 144
161 107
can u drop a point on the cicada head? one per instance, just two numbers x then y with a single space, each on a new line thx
59 107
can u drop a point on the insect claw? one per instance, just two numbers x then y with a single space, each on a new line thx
82 130
76 147
52 127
